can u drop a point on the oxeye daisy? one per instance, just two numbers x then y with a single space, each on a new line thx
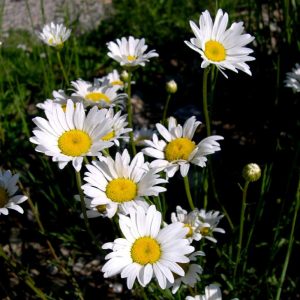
121 183
93 211
60 98
189 220
142 134
102 95
147 251
54 34
130 52
208 222
212 292
70 135
114 79
293 79
223 48
192 272
118 124
8 189
179 150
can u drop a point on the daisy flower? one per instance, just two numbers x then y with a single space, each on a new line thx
142 134
192 272
70 135
147 251
130 52
119 124
121 183
293 79
223 48
92 211
100 94
189 220
208 222
54 34
178 150
212 292
60 98
114 79
8 188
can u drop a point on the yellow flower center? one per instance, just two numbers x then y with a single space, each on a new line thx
204 230
180 148
131 57
97 96
3 197
51 41
190 232
101 208
145 250
117 82
121 190
74 142
108 136
214 51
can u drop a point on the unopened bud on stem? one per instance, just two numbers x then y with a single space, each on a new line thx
171 87
251 172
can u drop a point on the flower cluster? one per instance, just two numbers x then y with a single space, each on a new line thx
89 129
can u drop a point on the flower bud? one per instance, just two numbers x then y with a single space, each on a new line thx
124 76
171 87
251 172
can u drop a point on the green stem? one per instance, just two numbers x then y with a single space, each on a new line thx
242 220
290 246
166 109
129 111
28 280
62 66
265 184
188 192
205 106
83 208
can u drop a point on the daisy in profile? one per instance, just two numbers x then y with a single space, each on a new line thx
212 292
60 98
142 134
114 79
189 220
293 79
130 52
92 211
146 251
8 189
208 222
225 48
100 94
70 135
118 124
178 150
54 35
121 183
192 272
